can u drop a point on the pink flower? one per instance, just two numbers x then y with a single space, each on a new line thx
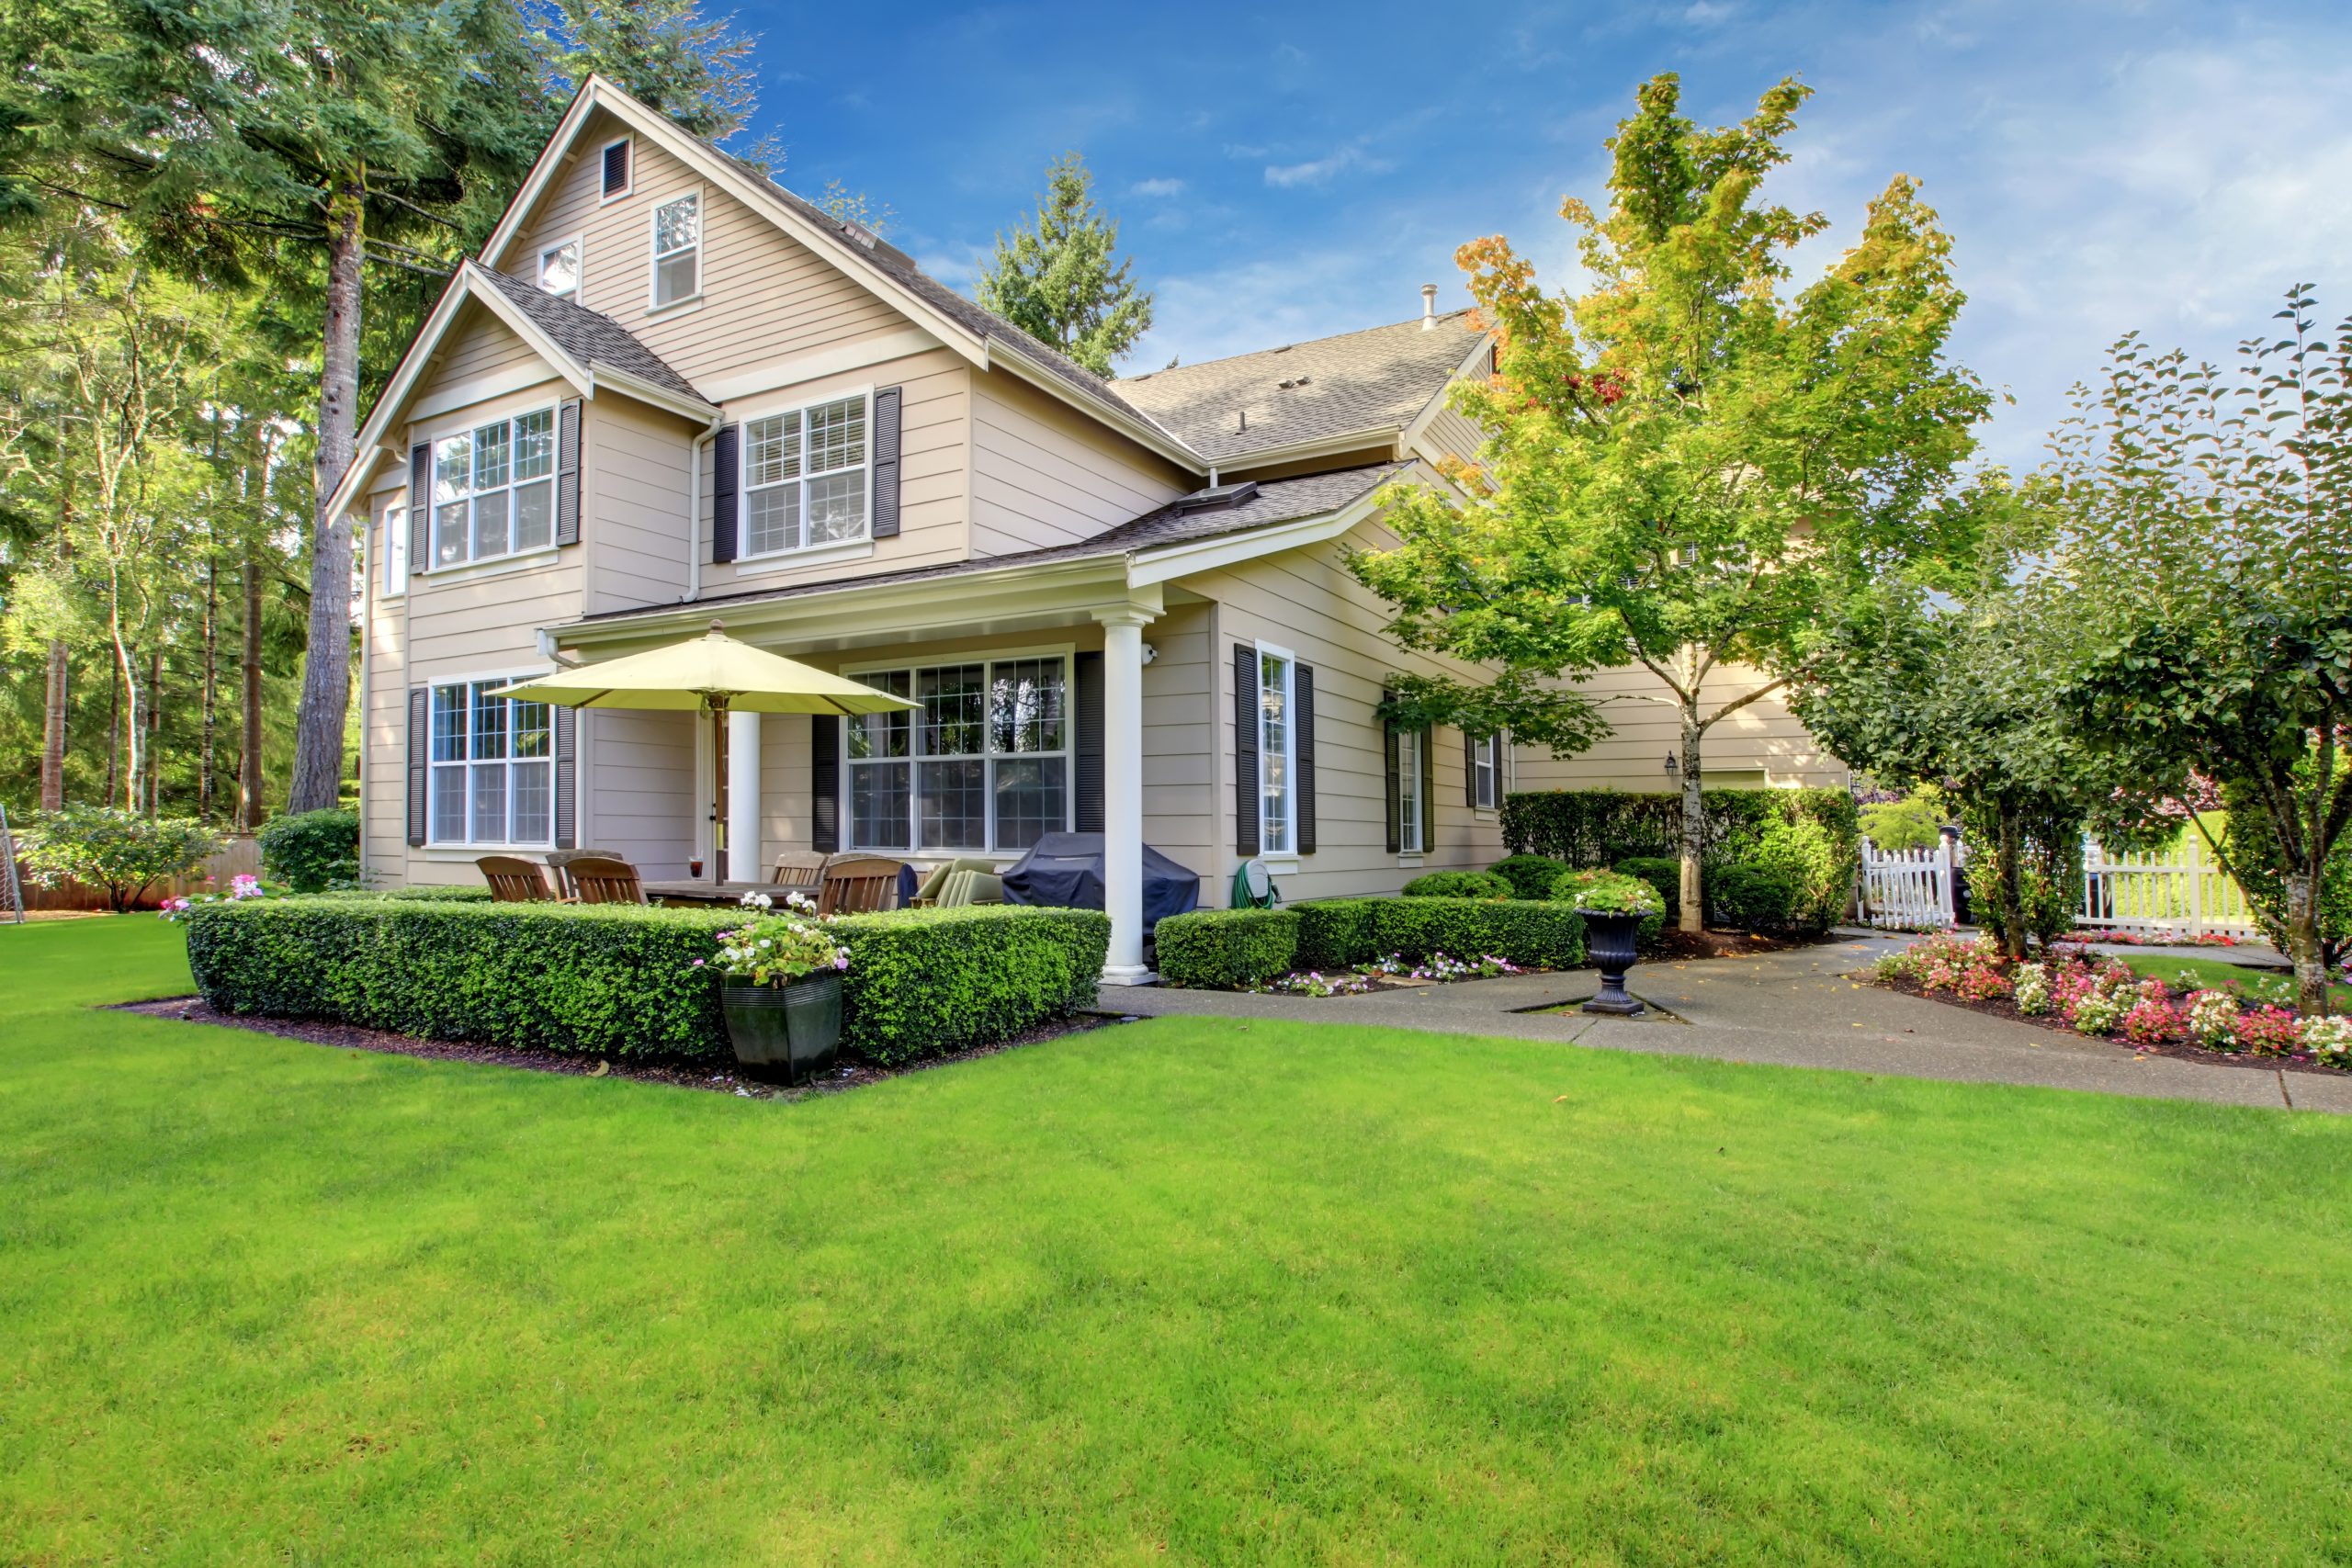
697 963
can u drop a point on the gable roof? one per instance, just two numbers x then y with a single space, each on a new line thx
591 337
1371 383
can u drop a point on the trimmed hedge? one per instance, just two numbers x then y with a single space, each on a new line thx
312 851
619 980
1226 948
1339 933
450 892
1460 885
1752 897
1334 933
1602 827
1531 876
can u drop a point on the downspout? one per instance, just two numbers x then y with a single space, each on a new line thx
370 581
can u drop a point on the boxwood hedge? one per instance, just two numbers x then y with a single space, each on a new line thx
1460 885
611 979
1222 948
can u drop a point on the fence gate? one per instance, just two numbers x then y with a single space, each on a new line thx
1909 889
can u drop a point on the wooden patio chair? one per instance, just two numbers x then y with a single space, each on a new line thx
560 861
859 887
803 870
602 880
514 880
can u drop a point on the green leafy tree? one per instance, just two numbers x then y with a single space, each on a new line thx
121 851
1059 280
1692 463
2206 564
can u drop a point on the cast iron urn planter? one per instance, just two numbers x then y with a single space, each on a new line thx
795 1027
1608 939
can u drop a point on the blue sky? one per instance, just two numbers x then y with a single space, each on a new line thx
1287 173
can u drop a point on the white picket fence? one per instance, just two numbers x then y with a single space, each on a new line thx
2181 892
1909 889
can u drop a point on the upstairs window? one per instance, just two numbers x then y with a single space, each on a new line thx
616 161
559 269
805 478
677 251
493 768
493 489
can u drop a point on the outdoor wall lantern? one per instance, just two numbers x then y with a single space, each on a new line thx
1673 765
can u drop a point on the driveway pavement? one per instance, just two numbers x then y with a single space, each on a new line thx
1797 1008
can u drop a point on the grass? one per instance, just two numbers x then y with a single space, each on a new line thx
1172 1290
2219 974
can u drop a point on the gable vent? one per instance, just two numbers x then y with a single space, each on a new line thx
1217 498
616 168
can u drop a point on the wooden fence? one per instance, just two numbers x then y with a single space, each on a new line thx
2181 891
240 857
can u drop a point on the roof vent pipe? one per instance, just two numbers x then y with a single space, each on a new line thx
1428 306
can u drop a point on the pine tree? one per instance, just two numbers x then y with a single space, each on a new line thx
1056 279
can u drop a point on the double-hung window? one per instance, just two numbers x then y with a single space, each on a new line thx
393 532
493 489
677 251
1277 738
559 269
1411 784
982 763
806 477
492 767
1486 772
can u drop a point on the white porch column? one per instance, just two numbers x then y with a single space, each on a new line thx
1122 792
742 799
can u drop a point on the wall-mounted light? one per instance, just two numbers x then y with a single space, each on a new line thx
1149 653
1673 765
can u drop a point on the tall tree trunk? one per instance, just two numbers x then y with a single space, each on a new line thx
152 749
2009 890
114 729
1693 914
204 783
53 730
249 694
326 665
2302 891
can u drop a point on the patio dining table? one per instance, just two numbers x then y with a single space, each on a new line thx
702 890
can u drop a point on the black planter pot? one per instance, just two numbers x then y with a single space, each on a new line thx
795 1027
1609 941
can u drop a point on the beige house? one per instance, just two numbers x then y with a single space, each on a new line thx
671 391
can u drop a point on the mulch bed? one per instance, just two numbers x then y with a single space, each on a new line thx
1676 946
2002 1006
719 1078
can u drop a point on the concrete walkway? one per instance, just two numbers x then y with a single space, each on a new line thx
1797 1008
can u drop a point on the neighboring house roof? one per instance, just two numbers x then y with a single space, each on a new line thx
591 337
1275 501
1371 383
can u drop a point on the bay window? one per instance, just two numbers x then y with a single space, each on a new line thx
805 478
493 768
1277 808
677 251
493 489
981 763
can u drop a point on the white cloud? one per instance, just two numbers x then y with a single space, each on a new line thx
1157 188
1320 170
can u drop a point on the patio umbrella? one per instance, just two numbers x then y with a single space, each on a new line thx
712 674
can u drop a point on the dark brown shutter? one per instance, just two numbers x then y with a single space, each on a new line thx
567 473
420 506
1429 790
615 168
1088 715
567 778
723 479
1388 762
420 747
825 776
1470 769
1245 749
886 463
1303 697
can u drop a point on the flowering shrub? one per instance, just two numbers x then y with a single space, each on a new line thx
1314 982
2095 1011
2267 1030
776 949
2329 1039
2030 987
1608 893
2152 1020
1970 967
242 887
2213 1019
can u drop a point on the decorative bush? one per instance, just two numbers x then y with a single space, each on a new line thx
1460 885
1752 897
1531 876
1616 891
613 980
1227 948
1334 933
1536 935
1603 827
2213 1019
120 853
312 851
451 892
1662 873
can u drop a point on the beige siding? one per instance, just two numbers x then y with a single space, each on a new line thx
638 789
633 503
1448 434
1179 741
1304 601
1043 476
384 720
477 345
1762 743
765 297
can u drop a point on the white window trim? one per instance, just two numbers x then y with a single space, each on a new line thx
1289 849
1494 744
803 552
1408 824
507 561
629 188
395 542
579 243
471 847
991 657
654 303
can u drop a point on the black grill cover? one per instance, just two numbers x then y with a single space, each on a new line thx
1064 871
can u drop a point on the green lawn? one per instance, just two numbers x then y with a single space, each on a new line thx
2219 974
1168 1291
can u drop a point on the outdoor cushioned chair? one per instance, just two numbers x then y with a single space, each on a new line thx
964 888
560 861
514 880
859 887
935 883
605 881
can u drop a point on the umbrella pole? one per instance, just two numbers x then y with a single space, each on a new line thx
719 813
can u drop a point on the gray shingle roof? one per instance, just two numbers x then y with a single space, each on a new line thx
1374 379
591 336
1277 501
